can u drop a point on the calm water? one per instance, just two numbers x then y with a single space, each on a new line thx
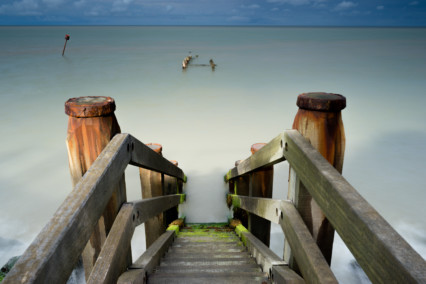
206 120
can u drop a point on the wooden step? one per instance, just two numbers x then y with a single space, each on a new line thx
208 254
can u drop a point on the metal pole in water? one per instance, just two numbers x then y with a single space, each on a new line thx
67 38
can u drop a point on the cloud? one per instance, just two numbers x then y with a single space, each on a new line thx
120 5
53 3
345 5
291 2
414 3
381 7
21 8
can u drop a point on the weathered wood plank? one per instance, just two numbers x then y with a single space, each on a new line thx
311 262
148 208
284 275
112 262
266 208
144 157
368 236
151 257
270 154
53 254
265 257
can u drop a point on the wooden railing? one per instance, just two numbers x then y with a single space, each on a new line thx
382 253
56 250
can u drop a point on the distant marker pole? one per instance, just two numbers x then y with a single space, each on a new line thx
67 37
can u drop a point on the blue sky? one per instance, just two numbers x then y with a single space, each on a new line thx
214 12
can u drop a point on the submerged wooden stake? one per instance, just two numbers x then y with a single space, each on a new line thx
152 186
67 38
319 120
91 126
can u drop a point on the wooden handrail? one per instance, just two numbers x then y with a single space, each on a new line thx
382 253
270 154
144 157
53 254
106 269
312 263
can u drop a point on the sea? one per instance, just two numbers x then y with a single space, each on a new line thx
207 119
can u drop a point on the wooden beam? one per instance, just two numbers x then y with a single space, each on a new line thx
54 253
266 208
146 263
309 258
270 154
283 274
148 208
263 255
144 157
383 254
112 262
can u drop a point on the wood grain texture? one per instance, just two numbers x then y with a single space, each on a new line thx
310 260
54 253
144 157
383 254
87 135
262 207
284 275
269 155
112 260
325 131
265 257
148 208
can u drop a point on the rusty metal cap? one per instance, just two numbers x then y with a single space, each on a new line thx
256 147
321 101
156 147
90 106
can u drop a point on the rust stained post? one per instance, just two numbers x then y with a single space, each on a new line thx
67 38
171 186
152 186
319 119
240 186
91 125
261 183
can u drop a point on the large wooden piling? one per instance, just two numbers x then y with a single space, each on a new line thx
91 126
319 120
152 186
261 183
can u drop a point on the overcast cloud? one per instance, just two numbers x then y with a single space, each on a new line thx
214 12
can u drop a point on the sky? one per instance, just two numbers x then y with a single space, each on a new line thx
215 12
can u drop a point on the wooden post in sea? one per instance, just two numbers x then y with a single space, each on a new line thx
67 38
91 125
319 120
152 186
261 183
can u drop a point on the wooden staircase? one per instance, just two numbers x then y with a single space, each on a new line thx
208 253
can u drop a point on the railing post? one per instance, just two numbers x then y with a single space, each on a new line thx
261 183
319 120
152 186
91 126
171 186
240 186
